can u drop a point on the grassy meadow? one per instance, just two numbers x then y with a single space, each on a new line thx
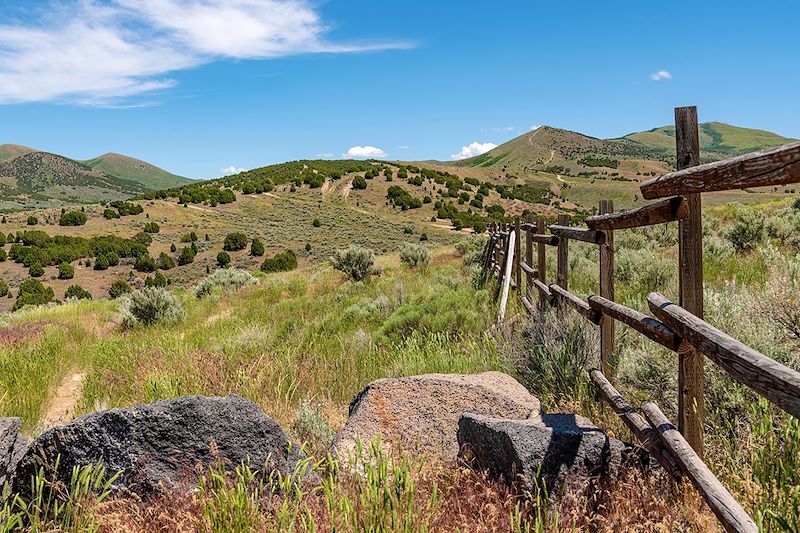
301 344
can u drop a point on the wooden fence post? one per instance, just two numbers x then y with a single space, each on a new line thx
562 272
517 255
607 291
529 259
541 260
691 403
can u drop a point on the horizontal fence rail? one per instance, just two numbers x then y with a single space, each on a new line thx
678 327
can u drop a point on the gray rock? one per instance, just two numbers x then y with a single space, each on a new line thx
160 445
557 448
12 446
421 412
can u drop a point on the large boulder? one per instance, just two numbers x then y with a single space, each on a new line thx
12 446
159 446
421 413
557 448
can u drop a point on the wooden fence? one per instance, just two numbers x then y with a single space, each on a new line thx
678 326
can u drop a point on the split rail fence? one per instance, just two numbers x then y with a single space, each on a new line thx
678 326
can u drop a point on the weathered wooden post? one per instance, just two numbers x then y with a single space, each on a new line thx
691 385
517 256
541 260
529 260
562 271
607 290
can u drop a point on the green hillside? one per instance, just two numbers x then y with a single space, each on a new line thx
715 137
129 168
7 151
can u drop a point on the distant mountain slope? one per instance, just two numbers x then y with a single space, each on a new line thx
715 137
44 176
562 152
129 168
7 151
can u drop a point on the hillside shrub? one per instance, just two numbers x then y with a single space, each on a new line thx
3 288
66 271
281 262
148 306
748 230
3 255
227 279
145 239
32 220
257 248
118 288
223 259
151 227
36 270
144 263
127 208
189 237
73 218
110 214
359 183
158 280
186 256
316 223
77 292
356 262
415 255
32 292
165 262
235 241
112 258
101 263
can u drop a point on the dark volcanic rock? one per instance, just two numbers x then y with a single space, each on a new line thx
12 447
161 443
421 412
558 448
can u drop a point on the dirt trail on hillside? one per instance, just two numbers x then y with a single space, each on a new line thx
62 405
207 209
346 189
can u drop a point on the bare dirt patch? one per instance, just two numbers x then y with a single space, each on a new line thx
62 406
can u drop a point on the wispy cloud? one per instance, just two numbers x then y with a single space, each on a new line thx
661 75
472 150
231 170
534 127
94 52
364 151
504 129
325 155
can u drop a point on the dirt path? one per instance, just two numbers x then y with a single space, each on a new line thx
552 155
346 189
62 405
207 209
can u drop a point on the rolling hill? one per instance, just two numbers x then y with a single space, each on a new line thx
30 178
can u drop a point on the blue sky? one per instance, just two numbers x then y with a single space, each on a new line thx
198 86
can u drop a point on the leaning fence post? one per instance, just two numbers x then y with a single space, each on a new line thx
562 274
528 260
517 255
541 260
607 290
691 403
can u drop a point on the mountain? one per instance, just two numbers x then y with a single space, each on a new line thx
557 149
129 168
29 178
41 176
7 151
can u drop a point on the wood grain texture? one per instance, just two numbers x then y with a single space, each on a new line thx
607 290
539 237
651 328
634 421
766 376
578 234
517 251
541 260
660 212
691 379
562 258
769 167
529 259
576 303
727 510
544 291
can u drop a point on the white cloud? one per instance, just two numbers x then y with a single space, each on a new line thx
472 150
102 53
364 151
661 75
504 129
535 127
325 155
231 170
